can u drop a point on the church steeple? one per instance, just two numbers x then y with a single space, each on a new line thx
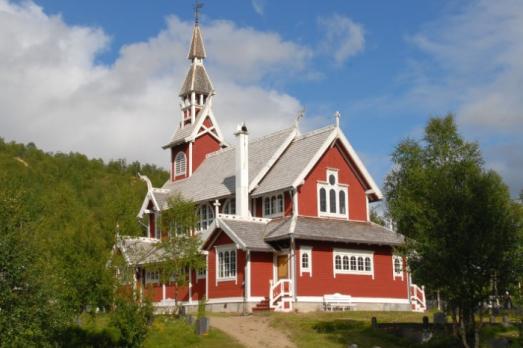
197 86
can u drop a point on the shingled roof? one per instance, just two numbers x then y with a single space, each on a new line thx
294 160
333 230
197 49
197 80
215 177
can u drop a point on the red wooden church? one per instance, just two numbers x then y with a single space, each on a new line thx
284 218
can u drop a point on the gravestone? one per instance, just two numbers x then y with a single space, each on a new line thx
505 321
202 326
374 323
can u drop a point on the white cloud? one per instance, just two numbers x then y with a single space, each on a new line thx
56 95
479 50
474 65
343 39
259 6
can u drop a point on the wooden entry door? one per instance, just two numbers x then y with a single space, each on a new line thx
283 267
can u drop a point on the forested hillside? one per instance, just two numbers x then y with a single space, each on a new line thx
58 216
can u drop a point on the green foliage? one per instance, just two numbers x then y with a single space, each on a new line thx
130 321
376 217
460 223
182 247
58 217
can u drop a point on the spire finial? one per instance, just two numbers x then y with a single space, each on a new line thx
197 6
337 114
299 117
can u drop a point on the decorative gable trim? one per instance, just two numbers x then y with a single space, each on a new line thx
219 223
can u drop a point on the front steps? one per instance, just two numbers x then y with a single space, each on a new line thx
263 306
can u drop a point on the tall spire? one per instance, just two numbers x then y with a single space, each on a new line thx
197 49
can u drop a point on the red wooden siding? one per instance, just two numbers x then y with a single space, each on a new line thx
287 199
307 193
323 282
207 122
261 273
225 288
201 147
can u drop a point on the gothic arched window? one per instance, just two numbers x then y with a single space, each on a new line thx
179 164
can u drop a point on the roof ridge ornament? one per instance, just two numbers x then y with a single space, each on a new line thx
298 118
197 7
337 115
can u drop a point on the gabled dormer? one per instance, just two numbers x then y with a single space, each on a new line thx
198 133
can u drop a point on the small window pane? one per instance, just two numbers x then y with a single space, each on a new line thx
337 262
353 263
345 262
267 206
342 202
332 201
226 263
273 205
233 264
179 161
305 261
332 179
323 200
367 264
280 203
397 266
360 263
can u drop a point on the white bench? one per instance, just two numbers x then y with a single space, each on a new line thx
337 301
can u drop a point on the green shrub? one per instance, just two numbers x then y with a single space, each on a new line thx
130 321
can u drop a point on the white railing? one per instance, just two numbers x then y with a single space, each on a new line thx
417 298
280 295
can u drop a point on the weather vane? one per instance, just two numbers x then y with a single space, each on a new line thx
197 6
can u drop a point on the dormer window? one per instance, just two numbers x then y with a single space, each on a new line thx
332 196
179 164
273 205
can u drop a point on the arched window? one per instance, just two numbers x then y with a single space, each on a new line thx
360 263
230 206
179 164
367 264
337 262
280 204
353 263
332 196
205 217
343 209
332 201
323 200
345 262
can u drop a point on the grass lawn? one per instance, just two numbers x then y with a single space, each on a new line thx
164 332
167 332
339 329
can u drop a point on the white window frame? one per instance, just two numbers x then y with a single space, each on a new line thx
394 273
201 274
353 253
277 209
178 171
306 250
229 207
209 217
337 187
231 248
152 277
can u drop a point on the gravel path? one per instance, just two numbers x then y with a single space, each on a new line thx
252 331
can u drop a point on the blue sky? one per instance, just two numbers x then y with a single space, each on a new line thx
110 70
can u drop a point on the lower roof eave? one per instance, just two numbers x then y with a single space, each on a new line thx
333 240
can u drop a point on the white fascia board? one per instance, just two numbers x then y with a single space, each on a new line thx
297 182
148 197
359 164
232 235
272 160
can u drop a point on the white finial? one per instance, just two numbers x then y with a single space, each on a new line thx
337 114
300 115
216 208
148 181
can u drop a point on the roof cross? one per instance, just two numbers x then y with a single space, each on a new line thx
197 6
